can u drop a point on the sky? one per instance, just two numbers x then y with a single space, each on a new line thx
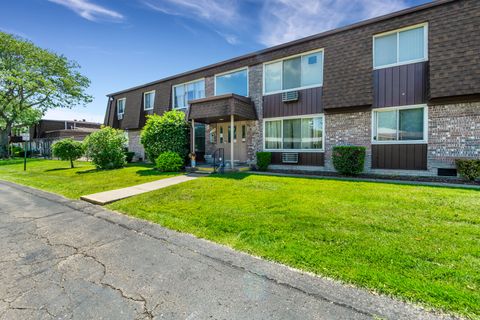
124 43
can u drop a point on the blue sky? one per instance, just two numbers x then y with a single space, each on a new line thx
123 43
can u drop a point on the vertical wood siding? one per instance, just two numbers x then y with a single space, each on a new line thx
400 85
399 156
309 102
304 159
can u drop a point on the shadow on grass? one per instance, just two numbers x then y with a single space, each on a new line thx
152 172
229 175
89 171
58 169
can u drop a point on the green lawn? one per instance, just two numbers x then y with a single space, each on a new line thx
56 176
418 243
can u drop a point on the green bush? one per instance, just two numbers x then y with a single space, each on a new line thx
468 168
129 156
68 150
169 132
349 160
169 162
263 160
106 148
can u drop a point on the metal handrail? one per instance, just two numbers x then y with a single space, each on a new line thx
221 159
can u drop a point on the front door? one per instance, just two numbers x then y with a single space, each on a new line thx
224 140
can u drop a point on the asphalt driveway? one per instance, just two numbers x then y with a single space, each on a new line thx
63 259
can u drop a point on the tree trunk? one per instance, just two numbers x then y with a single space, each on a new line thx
71 163
4 133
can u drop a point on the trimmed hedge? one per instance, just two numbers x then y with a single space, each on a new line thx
106 148
264 159
169 162
468 168
349 160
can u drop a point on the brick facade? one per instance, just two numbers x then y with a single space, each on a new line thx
347 128
454 132
134 144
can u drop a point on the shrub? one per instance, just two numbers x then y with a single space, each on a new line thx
129 156
68 150
169 132
263 160
468 168
169 162
106 148
349 160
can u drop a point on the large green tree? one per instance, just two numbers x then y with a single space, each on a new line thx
33 80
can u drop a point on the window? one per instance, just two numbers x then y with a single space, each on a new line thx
400 47
232 82
302 71
401 124
148 100
185 92
121 106
304 133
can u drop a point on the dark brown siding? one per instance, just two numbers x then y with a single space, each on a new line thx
401 85
309 102
454 62
304 159
399 156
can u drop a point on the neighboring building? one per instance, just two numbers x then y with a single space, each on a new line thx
45 132
405 85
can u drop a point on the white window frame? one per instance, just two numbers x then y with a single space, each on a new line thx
317 115
397 31
144 105
124 106
416 106
228 72
322 50
183 84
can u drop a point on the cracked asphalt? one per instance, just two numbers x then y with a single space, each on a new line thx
63 259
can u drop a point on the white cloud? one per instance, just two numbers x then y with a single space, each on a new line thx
218 11
89 10
286 20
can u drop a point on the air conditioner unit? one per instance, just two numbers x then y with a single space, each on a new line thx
290 96
289 157
120 116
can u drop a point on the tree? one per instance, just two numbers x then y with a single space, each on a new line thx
33 80
166 133
106 148
68 150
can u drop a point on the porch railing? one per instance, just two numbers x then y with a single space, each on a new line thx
218 159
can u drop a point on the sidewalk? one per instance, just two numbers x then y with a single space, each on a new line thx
106 197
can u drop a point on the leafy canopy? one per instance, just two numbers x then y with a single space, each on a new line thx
68 150
33 80
168 132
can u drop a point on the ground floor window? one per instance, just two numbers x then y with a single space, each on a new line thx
301 133
400 124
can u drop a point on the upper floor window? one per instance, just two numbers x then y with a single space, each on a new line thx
402 46
232 82
400 124
297 72
185 92
121 106
148 100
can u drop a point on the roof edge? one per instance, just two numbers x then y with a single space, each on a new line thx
294 42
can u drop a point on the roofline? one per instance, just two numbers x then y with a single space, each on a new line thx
294 42
76 121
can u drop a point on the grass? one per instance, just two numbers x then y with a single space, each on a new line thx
56 176
418 243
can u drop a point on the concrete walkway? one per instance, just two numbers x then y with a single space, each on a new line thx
64 259
106 197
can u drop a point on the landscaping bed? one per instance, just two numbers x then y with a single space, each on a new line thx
57 176
419 243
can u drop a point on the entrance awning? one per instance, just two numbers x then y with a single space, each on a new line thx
220 108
